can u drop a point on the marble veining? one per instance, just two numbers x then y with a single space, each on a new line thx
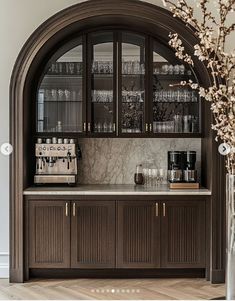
113 160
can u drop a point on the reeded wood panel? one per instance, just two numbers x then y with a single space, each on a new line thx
138 234
183 234
49 234
93 234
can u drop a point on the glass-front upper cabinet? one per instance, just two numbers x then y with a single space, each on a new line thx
60 101
175 108
132 92
101 83
117 83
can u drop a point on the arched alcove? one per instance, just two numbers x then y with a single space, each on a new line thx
43 43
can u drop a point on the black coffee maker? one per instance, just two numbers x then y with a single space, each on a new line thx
175 174
181 167
188 163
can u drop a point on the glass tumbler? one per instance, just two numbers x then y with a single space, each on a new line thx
154 176
145 172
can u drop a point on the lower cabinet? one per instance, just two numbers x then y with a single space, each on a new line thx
138 239
116 234
93 234
183 234
66 234
167 234
48 229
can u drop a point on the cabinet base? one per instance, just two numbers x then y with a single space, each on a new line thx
116 273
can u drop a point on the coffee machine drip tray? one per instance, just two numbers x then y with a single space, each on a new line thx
55 179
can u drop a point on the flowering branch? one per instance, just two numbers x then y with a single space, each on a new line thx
212 32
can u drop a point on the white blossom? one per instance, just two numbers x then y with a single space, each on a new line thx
212 33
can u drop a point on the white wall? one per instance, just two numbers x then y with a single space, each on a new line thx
18 19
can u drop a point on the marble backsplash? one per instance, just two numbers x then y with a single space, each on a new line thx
113 160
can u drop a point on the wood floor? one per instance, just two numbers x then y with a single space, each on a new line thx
132 289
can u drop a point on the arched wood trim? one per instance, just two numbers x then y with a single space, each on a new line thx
135 14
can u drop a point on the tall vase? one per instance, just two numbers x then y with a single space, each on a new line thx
230 219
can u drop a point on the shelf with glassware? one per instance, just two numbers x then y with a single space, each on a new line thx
101 114
60 104
175 108
132 101
102 111
176 111
64 97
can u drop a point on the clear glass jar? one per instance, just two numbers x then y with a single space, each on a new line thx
139 177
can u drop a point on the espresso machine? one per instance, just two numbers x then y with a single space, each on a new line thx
189 171
56 161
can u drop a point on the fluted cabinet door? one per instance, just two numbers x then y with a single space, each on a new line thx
138 236
183 234
93 234
49 234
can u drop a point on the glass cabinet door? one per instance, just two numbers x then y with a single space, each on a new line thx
60 94
132 102
101 88
175 108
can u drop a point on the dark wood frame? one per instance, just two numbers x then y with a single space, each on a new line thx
88 100
155 21
115 203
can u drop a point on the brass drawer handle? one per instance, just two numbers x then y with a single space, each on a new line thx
114 127
66 209
74 209
164 209
146 127
157 210
150 127
84 127
89 127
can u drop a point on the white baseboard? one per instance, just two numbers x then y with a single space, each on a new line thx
4 265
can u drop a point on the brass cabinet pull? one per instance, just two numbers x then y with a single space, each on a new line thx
164 209
89 127
157 210
146 127
114 127
84 127
150 127
74 209
66 209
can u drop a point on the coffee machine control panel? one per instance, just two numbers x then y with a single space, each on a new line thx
55 150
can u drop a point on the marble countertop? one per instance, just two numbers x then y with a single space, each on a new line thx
116 189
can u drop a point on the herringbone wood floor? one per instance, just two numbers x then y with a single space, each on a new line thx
132 289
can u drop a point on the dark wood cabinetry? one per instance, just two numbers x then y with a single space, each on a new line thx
116 83
33 63
49 234
168 234
138 241
82 234
87 228
93 234
183 234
